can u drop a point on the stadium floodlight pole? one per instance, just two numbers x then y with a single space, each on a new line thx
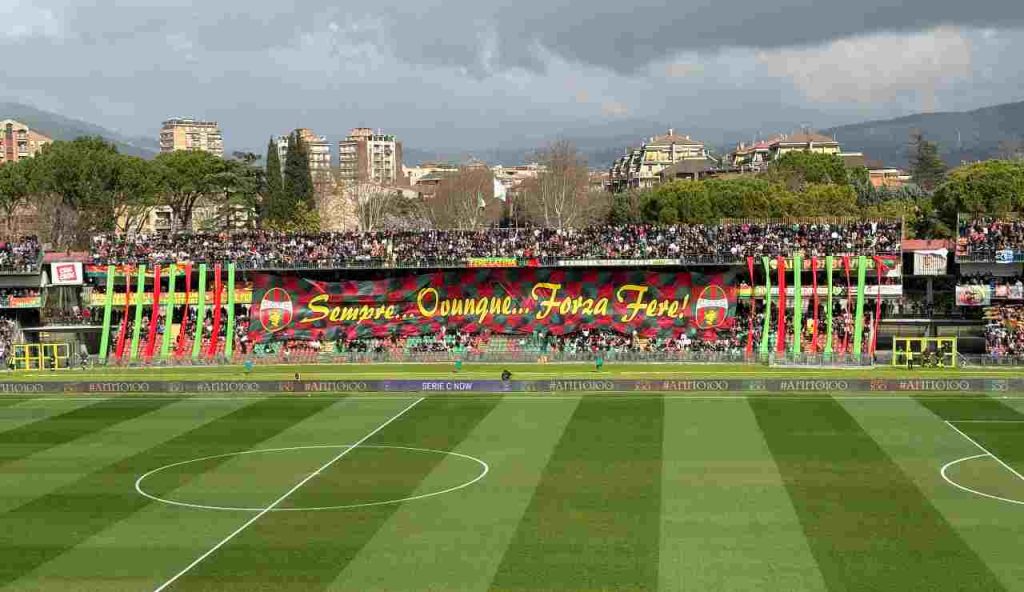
165 343
108 303
140 289
200 312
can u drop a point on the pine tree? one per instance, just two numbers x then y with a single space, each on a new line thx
298 181
927 168
274 204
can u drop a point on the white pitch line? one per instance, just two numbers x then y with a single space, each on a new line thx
950 464
279 500
986 421
986 451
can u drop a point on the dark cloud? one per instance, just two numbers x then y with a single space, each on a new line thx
620 36
628 36
487 75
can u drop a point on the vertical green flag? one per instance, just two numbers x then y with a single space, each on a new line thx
828 306
858 326
108 304
140 289
229 339
767 305
798 303
165 343
197 341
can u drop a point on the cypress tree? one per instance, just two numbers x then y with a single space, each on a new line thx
274 206
298 181
926 166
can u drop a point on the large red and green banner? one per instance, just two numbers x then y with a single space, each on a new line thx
500 301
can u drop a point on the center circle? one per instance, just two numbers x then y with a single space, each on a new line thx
482 470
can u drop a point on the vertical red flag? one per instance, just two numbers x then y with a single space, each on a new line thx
849 301
119 353
780 339
752 302
880 267
183 328
814 303
154 317
215 333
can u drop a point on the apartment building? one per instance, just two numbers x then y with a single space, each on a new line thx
640 168
370 156
755 156
318 152
17 141
512 177
190 134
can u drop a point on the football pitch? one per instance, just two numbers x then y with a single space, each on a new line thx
553 491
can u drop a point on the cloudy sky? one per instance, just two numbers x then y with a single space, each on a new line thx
462 73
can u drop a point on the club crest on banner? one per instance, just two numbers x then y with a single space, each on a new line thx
276 310
712 307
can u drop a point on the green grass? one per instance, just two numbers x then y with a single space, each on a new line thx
814 493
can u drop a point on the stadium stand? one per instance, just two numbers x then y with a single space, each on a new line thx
987 239
723 243
21 255
1004 331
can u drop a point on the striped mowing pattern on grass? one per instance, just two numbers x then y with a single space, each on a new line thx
593 523
868 525
56 430
585 493
307 550
60 520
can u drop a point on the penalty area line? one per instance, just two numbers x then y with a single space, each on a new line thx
281 499
986 451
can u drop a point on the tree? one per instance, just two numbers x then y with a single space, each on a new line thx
133 194
560 196
926 167
464 200
75 181
374 204
992 187
683 201
800 168
304 219
236 187
274 205
626 207
185 177
15 188
749 197
297 181
825 200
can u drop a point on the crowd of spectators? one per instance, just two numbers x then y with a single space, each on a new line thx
1004 332
76 315
991 239
721 242
8 333
8 296
20 255
732 341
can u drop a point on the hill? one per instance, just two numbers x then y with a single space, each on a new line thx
962 136
59 127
